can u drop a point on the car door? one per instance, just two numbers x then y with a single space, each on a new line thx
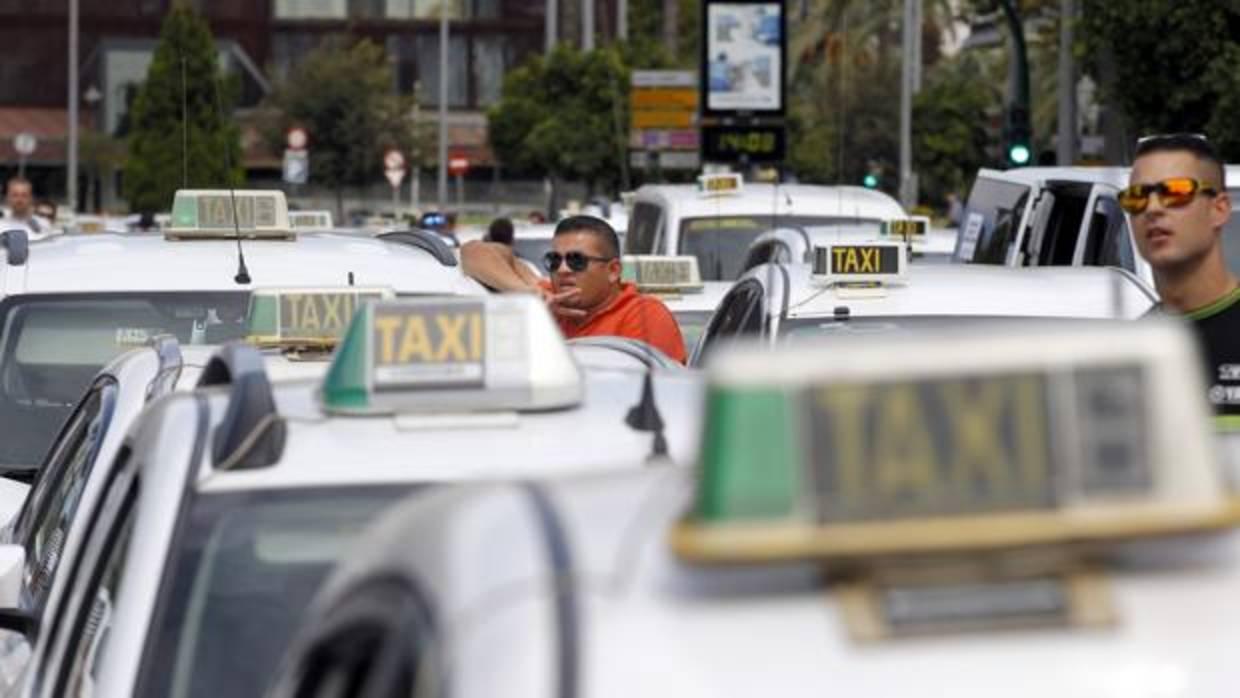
739 314
1108 240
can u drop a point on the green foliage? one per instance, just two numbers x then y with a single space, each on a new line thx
1172 62
950 138
156 163
341 93
564 115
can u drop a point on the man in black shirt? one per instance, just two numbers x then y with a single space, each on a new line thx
1178 204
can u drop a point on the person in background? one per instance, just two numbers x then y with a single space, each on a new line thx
500 231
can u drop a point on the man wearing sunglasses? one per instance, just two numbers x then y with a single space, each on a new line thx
584 292
1178 204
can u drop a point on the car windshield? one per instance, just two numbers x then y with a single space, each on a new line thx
721 243
54 345
239 581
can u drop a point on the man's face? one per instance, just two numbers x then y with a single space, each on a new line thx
1172 237
596 283
19 199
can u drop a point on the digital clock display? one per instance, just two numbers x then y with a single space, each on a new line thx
742 143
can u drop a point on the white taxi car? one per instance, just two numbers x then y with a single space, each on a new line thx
294 328
1034 512
228 504
70 304
716 220
870 289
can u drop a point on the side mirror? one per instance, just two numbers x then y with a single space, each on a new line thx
12 564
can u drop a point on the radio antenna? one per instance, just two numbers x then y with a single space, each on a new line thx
184 128
243 274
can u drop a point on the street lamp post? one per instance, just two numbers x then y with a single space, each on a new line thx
72 154
443 108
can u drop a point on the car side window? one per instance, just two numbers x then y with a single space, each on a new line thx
739 314
1063 228
95 592
1113 246
53 502
643 228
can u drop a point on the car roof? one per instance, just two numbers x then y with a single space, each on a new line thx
1117 176
706 299
783 199
325 450
976 290
139 262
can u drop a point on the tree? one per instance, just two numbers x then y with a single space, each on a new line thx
166 150
564 116
1168 65
950 138
342 95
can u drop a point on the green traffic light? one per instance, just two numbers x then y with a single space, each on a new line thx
1019 154
870 181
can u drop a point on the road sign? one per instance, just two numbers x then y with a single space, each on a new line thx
25 143
296 166
297 138
394 177
458 165
393 160
663 100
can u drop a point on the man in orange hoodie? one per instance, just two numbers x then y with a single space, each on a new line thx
585 292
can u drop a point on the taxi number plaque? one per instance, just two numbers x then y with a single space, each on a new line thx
215 212
960 446
440 346
843 260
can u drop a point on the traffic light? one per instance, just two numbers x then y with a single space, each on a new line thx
873 173
870 181
1017 146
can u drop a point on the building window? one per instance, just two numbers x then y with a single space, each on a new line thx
424 9
311 9
491 56
458 69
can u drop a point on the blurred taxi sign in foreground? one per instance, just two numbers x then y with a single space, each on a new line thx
860 263
295 318
223 213
720 184
906 229
663 274
959 480
445 354
979 439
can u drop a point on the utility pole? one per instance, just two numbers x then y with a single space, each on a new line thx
1065 147
443 107
622 20
587 25
72 165
551 25
671 20
908 86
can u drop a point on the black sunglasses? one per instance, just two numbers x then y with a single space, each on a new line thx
576 261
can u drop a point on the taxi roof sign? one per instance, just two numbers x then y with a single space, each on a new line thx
907 229
448 354
663 274
305 317
860 263
311 220
720 184
943 443
209 214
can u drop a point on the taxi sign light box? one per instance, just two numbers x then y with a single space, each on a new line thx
874 262
908 229
656 273
720 184
305 317
942 443
452 354
209 213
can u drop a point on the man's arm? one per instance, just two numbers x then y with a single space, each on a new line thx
495 265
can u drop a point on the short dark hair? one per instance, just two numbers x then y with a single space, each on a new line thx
597 227
500 230
1194 143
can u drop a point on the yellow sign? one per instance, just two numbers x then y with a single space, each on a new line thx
906 228
729 183
864 259
676 99
428 346
652 119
